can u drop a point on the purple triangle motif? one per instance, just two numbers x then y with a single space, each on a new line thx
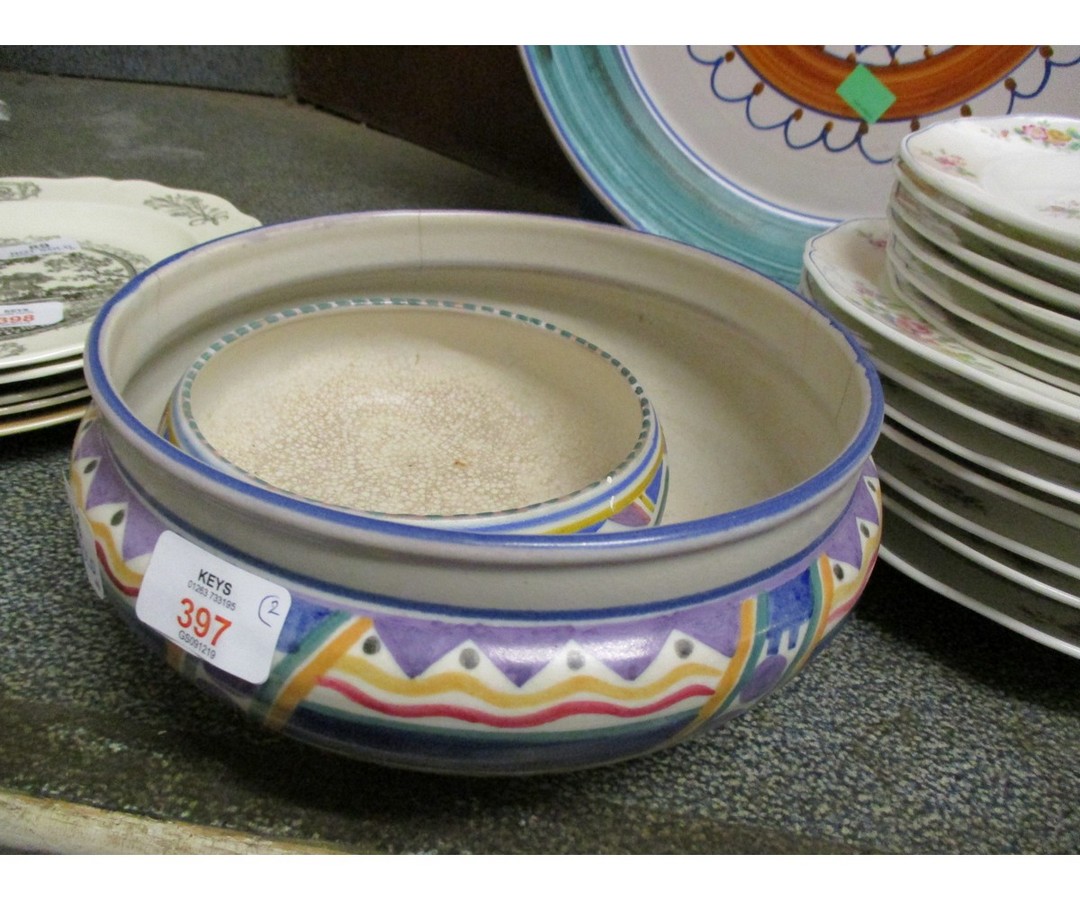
141 531
628 647
107 487
845 544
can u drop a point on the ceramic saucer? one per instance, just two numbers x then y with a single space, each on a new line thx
20 392
1022 172
991 266
27 374
1015 347
32 421
848 264
926 560
983 447
67 245
959 396
978 232
956 284
1020 522
1008 568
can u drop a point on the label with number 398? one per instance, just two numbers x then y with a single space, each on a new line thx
211 608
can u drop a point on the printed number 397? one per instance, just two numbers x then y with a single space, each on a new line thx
200 620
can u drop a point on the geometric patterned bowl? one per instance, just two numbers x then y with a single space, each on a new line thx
428 412
488 653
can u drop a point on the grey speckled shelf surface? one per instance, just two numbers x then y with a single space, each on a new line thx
923 729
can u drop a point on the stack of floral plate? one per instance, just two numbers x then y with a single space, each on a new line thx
66 246
967 296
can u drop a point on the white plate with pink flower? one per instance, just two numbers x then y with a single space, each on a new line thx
1022 171
847 264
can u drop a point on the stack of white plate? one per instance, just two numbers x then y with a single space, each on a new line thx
967 296
66 246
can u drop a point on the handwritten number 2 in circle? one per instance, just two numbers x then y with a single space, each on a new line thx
268 607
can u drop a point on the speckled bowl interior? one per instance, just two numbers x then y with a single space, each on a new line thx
433 413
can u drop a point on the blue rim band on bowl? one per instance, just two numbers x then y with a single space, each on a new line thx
846 462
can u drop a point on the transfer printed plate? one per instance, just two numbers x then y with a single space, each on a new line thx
67 245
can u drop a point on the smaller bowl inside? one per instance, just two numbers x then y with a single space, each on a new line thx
440 413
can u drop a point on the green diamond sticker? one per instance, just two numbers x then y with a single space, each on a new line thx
864 93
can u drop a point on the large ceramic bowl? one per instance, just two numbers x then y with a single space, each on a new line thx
493 653
449 415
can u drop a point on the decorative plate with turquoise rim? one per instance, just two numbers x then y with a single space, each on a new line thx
749 151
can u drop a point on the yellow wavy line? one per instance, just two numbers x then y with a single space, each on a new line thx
103 533
731 674
474 687
305 678
117 565
828 597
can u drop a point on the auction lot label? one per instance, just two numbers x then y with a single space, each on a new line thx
211 608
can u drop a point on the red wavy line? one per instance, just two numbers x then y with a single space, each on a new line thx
476 716
125 589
